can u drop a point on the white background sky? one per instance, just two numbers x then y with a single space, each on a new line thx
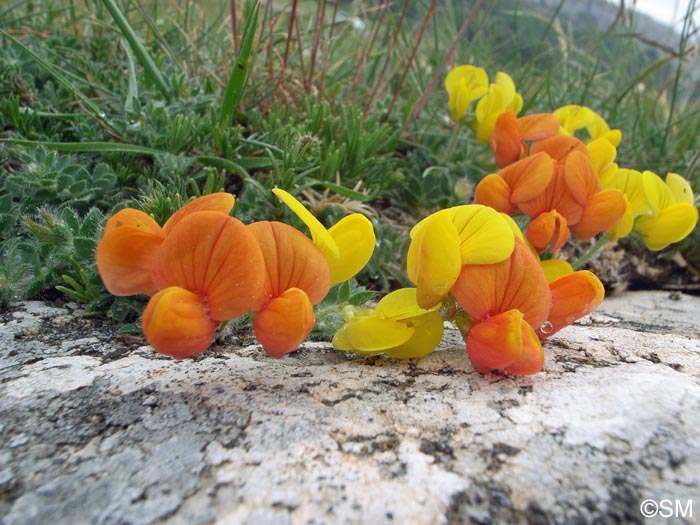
668 11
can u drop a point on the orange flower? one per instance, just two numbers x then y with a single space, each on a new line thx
202 265
512 135
209 269
573 200
511 306
507 301
297 277
131 238
518 182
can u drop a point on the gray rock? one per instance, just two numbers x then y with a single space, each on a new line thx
100 430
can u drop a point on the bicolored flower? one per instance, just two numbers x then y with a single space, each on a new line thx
515 303
347 245
297 277
501 96
396 326
450 238
464 85
512 136
507 302
574 118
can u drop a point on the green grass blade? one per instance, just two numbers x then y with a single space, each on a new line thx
132 92
239 74
137 47
87 147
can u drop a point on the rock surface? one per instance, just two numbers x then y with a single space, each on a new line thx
99 430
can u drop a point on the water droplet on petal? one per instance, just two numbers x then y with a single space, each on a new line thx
547 328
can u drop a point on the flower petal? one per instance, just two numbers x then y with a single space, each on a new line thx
284 323
538 126
548 231
175 323
484 236
494 191
496 342
126 253
573 296
528 177
292 260
399 305
220 202
671 224
434 261
354 238
531 359
680 188
555 268
603 211
319 233
484 290
428 329
371 335
580 176
215 256
506 143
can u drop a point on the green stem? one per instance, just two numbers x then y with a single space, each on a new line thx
453 142
591 252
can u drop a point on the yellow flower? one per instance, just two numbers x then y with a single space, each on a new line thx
500 97
661 212
397 326
465 84
347 246
672 215
450 238
573 118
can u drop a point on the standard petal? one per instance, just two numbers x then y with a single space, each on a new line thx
484 236
292 260
506 143
428 329
531 359
670 225
657 193
558 146
176 323
573 296
484 290
603 210
496 342
529 177
434 261
493 191
214 256
219 202
580 176
354 238
284 323
538 126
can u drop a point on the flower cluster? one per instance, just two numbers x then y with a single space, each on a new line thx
500 281
503 287
204 267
